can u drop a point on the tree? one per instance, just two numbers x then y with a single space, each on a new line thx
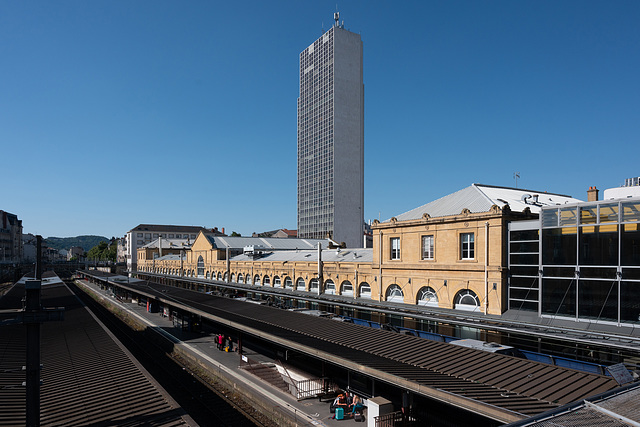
103 252
234 234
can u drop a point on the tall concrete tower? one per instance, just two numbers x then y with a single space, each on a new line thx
331 138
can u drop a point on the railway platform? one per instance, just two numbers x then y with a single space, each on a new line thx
311 411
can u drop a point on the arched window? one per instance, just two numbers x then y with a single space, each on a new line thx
329 287
288 283
427 297
226 276
200 266
300 285
365 290
240 278
276 281
206 275
219 275
467 300
256 280
233 278
247 279
346 288
266 280
313 286
394 294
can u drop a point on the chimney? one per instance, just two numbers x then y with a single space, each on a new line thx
592 194
222 230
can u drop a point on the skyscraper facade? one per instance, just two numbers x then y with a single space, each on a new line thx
331 139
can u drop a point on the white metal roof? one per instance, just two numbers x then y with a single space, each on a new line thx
480 198
328 255
169 244
170 257
268 243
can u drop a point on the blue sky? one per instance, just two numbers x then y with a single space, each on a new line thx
115 113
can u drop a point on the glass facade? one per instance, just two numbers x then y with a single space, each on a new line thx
589 264
524 283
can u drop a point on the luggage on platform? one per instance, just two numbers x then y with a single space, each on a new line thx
358 417
339 413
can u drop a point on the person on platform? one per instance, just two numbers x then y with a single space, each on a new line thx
356 405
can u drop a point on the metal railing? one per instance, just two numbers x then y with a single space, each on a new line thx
409 418
392 419
292 383
315 387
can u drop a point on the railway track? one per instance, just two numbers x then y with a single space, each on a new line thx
207 404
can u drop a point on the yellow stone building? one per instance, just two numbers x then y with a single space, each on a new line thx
448 254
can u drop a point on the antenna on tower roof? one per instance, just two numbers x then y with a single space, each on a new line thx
336 17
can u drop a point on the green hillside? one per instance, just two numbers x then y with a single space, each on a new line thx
85 242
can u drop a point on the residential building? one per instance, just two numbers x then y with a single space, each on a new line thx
51 255
146 233
29 248
331 139
75 252
10 238
121 250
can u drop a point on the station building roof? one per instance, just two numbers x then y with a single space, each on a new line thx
480 198
169 243
267 243
88 378
502 387
618 408
170 257
328 255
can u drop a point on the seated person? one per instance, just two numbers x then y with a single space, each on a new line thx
341 400
356 405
